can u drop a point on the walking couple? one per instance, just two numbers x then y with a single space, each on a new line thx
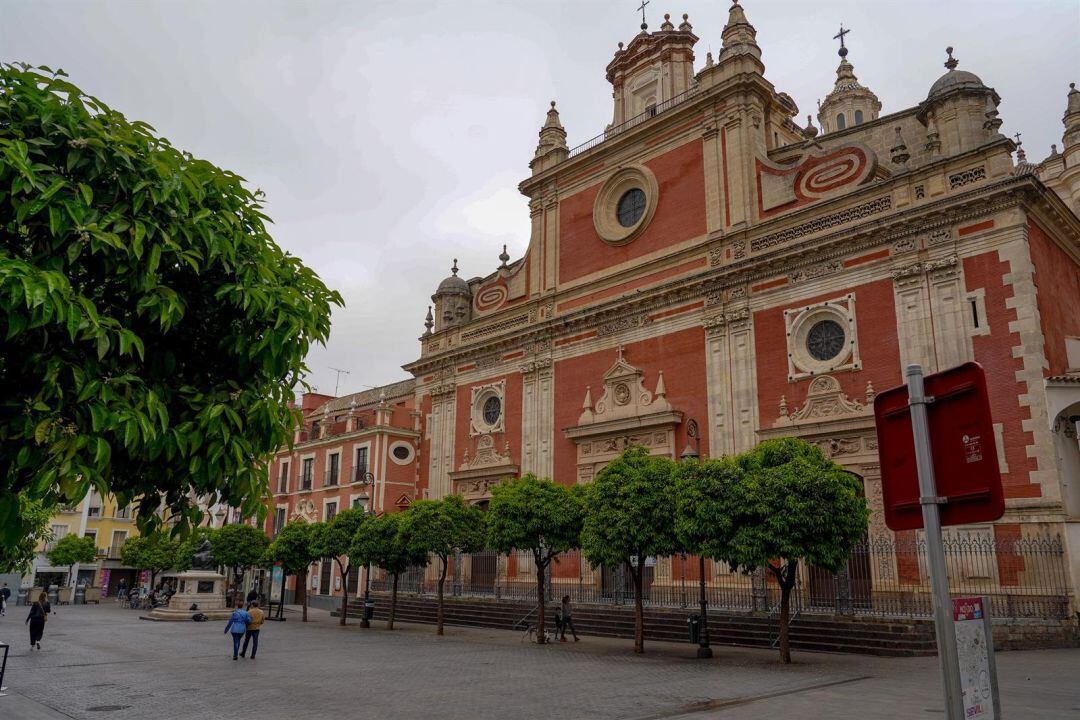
245 625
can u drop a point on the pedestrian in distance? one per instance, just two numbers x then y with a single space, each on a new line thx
558 622
39 614
252 596
252 634
5 595
567 621
237 627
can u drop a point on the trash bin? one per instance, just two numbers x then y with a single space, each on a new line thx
80 595
20 598
693 624
369 609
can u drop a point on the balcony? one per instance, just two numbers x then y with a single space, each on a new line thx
360 474
330 478
633 122
303 481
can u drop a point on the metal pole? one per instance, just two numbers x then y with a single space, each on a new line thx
935 552
703 651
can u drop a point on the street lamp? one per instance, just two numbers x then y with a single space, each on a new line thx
694 453
366 480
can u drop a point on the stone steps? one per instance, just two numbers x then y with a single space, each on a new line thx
867 635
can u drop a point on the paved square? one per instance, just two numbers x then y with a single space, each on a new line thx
104 663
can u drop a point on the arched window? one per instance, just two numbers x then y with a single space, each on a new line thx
841 123
858 117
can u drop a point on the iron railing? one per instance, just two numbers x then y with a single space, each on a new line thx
885 576
634 121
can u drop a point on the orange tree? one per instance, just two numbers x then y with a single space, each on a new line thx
152 331
629 516
384 542
789 504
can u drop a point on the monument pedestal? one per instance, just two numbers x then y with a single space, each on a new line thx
204 588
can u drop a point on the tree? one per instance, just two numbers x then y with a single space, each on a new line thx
334 539
791 504
17 554
539 515
153 332
384 541
629 516
294 549
70 550
238 547
155 552
443 528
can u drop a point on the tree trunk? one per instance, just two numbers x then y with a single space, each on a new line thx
393 604
302 577
639 612
540 607
439 612
787 582
344 591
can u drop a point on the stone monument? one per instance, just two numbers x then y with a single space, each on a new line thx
202 586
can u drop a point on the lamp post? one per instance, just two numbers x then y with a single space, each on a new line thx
367 480
694 453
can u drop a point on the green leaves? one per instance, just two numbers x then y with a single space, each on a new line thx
385 542
630 510
442 527
72 549
155 552
139 288
239 546
293 547
532 513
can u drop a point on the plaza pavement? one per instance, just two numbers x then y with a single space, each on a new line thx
103 663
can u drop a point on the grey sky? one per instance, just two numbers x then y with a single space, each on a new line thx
390 137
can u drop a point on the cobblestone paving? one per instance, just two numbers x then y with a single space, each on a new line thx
105 664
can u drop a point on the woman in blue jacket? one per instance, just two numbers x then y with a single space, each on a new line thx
237 626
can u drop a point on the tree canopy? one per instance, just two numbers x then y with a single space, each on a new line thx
72 549
534 514
384 542
294 548
152 329
239 546
334 539
17 553
629 516
793 504
155 552
703 499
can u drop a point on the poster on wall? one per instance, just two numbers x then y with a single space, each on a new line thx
975 649
144 578
277 582
105 572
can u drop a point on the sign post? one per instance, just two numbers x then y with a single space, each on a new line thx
935 553
975 646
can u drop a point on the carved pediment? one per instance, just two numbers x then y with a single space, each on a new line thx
825 401
486 455
624 395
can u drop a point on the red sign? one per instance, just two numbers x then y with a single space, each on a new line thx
964 451
967 608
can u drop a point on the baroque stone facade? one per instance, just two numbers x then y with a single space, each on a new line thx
702 260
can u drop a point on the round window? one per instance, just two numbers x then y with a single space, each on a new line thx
401 452
631 207
825 340
492 410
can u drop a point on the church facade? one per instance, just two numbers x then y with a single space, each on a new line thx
708 273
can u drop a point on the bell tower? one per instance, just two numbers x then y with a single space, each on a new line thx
652 69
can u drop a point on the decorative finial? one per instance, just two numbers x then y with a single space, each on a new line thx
783 406
644 26
900 154
952 62
429 321
1053 150
620 353
620 47
504 256
1021 156
666 26
843 51
686 26
708 59
810 132
454 269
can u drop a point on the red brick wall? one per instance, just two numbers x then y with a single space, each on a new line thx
679 216
1057 278
511 422
1010 564
681 355
994 353
879 350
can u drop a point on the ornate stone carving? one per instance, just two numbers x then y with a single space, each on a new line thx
835 447
714 324
500 326
624 395
825 400
966 177
714 295
716 256
534 365
905 244
812 272
737 293
824 222
486 455
914 270
442 389
618 325
942 269
936 237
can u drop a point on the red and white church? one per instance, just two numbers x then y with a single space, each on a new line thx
709 263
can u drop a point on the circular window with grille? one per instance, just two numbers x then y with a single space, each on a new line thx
821 338
625 204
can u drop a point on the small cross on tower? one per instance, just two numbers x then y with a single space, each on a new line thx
642 9
840 36
1017 136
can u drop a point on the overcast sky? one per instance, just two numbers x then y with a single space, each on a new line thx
390 136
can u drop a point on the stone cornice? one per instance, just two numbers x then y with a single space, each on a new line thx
330 440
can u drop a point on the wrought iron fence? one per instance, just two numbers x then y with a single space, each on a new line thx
634 121
885 576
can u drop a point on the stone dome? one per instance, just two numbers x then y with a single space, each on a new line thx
953 80
453 285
